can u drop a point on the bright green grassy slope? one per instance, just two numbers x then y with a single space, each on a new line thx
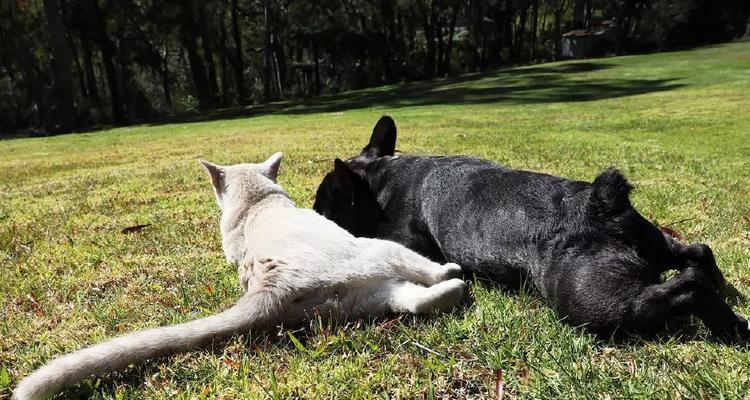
677 124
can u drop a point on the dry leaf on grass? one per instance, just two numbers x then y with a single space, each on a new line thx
134 229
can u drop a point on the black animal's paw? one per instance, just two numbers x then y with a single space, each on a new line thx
701 256
735 331
743 327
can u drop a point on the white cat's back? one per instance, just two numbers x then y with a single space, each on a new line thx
295 232
313 246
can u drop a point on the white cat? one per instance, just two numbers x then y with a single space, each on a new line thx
291 261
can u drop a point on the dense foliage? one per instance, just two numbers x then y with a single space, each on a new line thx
68 64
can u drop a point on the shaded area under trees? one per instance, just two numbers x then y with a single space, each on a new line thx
71 64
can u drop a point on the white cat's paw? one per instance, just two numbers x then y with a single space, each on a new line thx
448 294
450 271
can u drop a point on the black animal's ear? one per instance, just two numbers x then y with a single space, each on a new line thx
383 139
342 172
340 166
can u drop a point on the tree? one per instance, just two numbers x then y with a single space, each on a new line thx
70 63
189 33
238 63
65 113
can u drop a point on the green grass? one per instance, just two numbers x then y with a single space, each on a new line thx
678 125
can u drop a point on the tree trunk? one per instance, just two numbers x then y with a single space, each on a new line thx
79 69
316 60
279 58
83 88
208 54
558 28
208 57
88 67
22 49
446 61
223 59
587 12
130 105
428 24
198 71
478 21
618 30
388 35
398 44
440 24
508 33
267 50
238 63
164 73
107 49
534 22
578 14
62 70
197 65
279 86
520 35
118 114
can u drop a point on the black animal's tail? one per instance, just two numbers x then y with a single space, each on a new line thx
611 195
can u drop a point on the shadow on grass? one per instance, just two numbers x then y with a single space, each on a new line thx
542 84
530 85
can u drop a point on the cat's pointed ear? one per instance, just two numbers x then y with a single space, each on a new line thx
217 173
382 140
271 166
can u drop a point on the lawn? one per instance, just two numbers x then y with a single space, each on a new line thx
677 124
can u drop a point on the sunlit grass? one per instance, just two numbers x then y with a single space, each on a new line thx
677 124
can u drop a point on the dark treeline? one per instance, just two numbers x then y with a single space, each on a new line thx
69 64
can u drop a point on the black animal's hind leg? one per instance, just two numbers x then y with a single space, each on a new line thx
688 293
697 255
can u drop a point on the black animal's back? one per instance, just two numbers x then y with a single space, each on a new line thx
477 212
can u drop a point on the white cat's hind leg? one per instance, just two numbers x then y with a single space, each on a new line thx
416 299
416 268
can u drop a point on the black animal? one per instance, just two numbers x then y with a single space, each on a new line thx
583 245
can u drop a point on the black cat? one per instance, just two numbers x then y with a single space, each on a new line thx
594 258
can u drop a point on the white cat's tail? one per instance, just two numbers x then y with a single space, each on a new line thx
252 311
